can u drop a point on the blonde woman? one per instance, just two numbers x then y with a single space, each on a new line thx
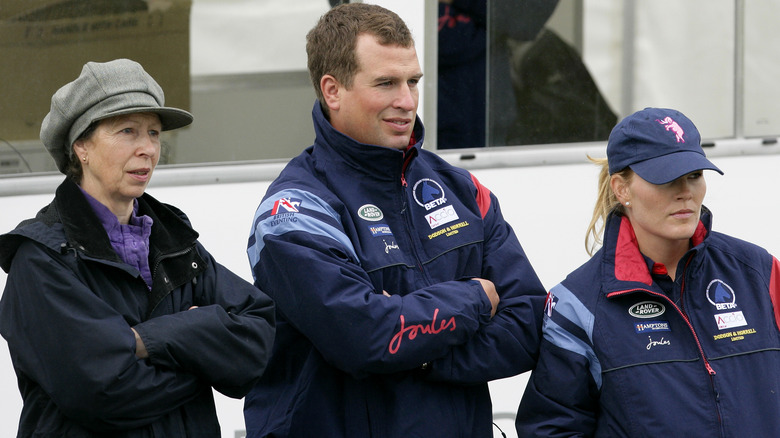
669 329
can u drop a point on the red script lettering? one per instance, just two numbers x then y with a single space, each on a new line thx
414 330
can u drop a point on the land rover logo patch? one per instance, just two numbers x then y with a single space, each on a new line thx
371 213
646 309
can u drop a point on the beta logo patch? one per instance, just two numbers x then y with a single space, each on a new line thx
646 309
429 194
370 212
721 295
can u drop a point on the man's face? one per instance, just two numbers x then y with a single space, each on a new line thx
380 106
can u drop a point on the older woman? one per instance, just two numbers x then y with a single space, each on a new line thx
118 321
669 329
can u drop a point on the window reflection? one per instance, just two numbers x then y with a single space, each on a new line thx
239 66
45 43
507 78
462 75
571 78
511 72
556 99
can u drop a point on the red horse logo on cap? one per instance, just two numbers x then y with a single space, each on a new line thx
671 125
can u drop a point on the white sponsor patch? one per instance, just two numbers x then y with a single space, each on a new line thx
730 320
441 216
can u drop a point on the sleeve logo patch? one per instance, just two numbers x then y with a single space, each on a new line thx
286 205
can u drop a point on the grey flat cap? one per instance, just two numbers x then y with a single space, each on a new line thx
103 90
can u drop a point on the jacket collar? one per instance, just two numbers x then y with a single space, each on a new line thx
171 231
83 229
379 161
623 263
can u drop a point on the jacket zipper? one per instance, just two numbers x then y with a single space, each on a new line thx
405 213
168 256
680 310
710 371
706 363
407 159
157 263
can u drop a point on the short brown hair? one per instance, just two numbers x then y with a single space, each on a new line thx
330 45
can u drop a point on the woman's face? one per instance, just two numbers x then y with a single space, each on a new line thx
119 157
665 215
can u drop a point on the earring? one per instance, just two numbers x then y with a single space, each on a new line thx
84 158
628 203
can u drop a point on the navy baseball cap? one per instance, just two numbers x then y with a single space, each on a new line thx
658 144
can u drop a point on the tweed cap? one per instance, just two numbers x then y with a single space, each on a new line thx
659 144
103 90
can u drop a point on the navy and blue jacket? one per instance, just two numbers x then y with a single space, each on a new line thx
346 223
624 357
68 308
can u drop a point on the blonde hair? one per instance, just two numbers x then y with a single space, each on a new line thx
606 202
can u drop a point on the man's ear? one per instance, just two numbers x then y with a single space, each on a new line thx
331 92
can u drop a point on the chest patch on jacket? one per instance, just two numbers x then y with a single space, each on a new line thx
647 310
371 213
441 216
429 194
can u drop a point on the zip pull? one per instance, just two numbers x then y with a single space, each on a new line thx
408 155
65 247
709 368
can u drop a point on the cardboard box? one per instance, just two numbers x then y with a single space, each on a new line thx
45 43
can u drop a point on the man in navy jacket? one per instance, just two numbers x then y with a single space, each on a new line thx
401 290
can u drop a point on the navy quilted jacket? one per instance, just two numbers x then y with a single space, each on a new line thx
67 309
623 358
342 224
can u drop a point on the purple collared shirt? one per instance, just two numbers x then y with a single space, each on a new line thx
131 241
